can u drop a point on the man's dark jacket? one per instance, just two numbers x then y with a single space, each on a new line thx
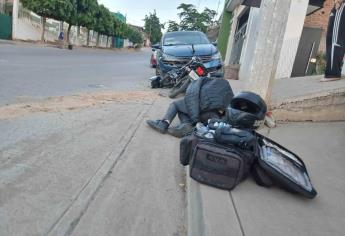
207 94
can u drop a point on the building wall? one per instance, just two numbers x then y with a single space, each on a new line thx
319 19
289 49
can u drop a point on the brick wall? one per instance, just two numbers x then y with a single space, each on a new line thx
319 19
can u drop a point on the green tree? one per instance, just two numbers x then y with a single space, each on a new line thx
191 19
173 26
120 29
72 17
104 22
188 16
86 15
153 27
135 36
56 9
85 11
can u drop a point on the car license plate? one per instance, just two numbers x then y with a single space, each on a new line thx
193 75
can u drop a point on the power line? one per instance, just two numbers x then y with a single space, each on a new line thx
218 7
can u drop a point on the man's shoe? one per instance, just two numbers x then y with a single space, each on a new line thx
180 130
329 79
160 125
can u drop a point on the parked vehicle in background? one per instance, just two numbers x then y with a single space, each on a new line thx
177 48
153 58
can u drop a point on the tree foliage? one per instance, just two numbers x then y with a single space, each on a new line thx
153 27
121 29
103 20
56 9
134 35
173 26
86 12
191 19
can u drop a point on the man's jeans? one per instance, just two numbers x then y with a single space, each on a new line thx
177 108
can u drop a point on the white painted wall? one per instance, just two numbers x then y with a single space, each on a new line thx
29 30
343 71
127 43
28 27
294 28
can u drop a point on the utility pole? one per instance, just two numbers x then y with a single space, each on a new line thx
150 32
269 39
15 18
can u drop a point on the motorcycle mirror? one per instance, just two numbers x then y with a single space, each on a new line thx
156 46
153 78
217 74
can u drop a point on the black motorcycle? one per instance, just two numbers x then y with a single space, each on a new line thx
178 79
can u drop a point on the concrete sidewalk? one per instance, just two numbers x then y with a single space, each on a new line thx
305 99
253 210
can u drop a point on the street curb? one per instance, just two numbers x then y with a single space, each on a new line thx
71 216
51 44
211 211
2 41
195 221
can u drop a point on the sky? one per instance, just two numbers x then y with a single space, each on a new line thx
135 10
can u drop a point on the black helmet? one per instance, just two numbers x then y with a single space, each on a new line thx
247 110
155 82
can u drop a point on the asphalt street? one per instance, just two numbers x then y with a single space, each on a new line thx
85 170
34 72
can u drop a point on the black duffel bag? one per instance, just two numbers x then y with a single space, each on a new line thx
218 165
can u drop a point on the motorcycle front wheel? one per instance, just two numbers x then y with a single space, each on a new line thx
180 87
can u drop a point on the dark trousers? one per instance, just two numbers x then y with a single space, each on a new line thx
335 42
177 108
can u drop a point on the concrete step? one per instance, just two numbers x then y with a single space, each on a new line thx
305 99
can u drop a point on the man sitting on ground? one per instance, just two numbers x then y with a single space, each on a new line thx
205 98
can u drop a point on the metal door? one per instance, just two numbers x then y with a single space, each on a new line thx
238 45
239 37
5 19
5 26
307 50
